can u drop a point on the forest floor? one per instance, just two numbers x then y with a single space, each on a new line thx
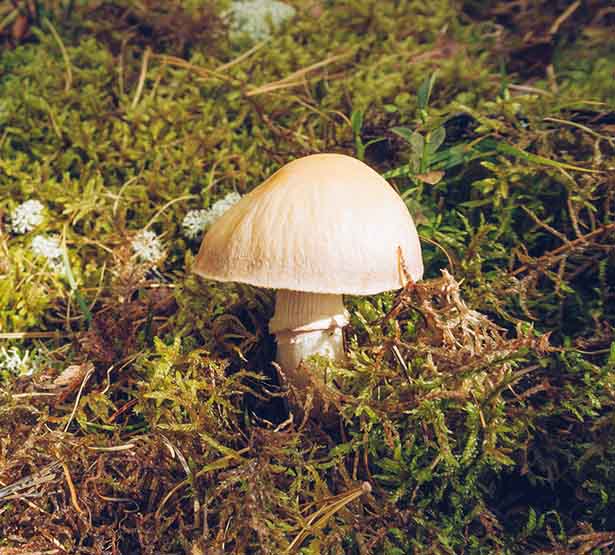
139 409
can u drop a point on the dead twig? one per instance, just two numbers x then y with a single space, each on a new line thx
553 256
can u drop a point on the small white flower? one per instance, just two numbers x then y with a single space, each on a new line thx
147 246
257 18
50 248
14 362
26 216
196 221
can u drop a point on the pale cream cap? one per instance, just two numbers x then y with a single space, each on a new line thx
326 223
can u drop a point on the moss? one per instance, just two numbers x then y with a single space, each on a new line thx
479 407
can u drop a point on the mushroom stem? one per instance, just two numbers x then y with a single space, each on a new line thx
307 324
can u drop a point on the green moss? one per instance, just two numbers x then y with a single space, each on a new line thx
479 408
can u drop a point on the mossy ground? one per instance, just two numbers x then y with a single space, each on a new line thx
478 404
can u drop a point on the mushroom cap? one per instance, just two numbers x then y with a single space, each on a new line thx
325 223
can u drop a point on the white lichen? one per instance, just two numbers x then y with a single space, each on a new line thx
26 217
50 248
15 362
196 221
147 246
257 19
221 206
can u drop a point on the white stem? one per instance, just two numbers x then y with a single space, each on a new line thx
307 324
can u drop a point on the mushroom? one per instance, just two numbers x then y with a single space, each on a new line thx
321 226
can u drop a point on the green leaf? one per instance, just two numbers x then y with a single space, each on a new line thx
374 141
531 521
518 153
417 143
356 119
435 139
424 91
453 156
415 161
402 171
403 132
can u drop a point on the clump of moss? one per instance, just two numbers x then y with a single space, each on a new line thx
477 405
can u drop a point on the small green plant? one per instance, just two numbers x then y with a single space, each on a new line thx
427 161
356 120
